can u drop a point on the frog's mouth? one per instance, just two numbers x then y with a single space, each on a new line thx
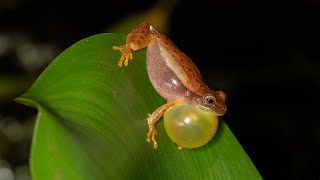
220 111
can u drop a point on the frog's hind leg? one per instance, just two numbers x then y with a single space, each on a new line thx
153 119
140 37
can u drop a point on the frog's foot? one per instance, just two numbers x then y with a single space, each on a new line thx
126 54
153 119
152 136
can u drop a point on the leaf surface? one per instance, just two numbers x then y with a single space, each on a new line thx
91 123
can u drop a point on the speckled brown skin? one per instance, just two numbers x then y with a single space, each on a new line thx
171 72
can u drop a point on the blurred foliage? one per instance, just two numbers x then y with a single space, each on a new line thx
11 86
158 15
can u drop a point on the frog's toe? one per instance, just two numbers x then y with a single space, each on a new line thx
127 58
152 136
155 143
121 60
117 48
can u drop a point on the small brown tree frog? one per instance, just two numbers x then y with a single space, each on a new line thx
190 115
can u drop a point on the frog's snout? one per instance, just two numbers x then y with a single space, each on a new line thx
221 103
224 110
220 111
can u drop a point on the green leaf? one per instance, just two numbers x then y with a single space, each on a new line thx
92 123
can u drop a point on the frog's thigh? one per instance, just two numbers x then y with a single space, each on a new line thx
140 41
140 37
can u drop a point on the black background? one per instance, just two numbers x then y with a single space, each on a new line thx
263 54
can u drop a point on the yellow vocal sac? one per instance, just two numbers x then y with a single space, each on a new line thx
189 126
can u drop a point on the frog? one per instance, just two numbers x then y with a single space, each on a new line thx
177 79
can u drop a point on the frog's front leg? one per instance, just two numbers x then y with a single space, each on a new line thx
153 119
126 54
140 37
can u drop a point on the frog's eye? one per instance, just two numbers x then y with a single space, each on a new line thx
209 100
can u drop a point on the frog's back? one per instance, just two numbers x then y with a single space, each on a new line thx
171 72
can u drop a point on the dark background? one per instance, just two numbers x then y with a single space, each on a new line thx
263 54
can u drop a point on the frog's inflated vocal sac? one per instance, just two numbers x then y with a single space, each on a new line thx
192 108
